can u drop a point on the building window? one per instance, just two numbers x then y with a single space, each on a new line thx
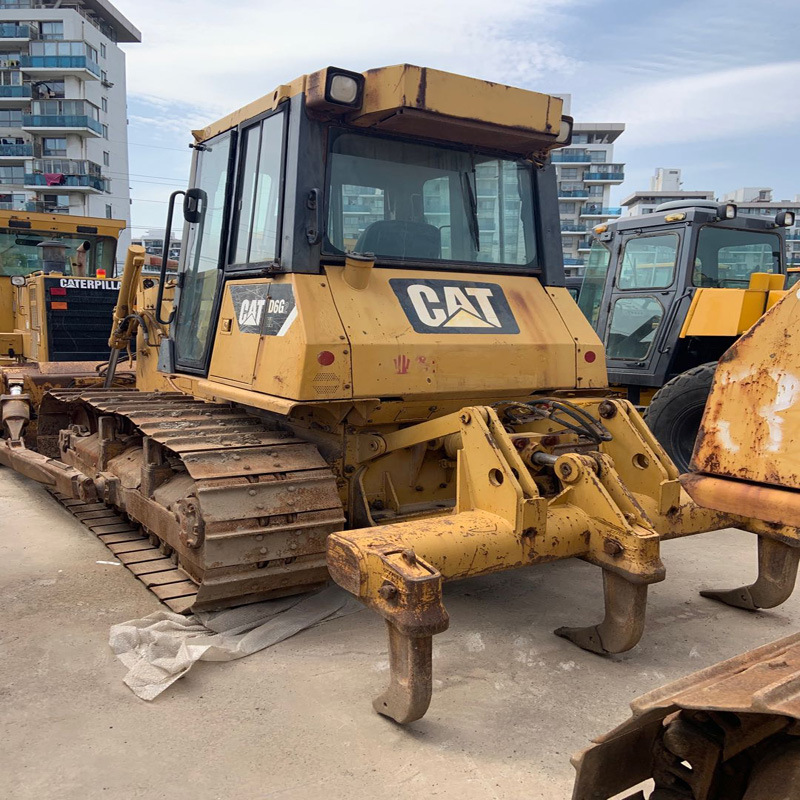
12 175
51 30
569 172
103 50
58 203
566 208
106 158
10 118
103 76
49 89
598 156
105 131
54 147
109 211
104 103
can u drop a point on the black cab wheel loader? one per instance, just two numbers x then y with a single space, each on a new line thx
668 293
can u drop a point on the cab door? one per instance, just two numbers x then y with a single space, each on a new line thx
642 294
200 279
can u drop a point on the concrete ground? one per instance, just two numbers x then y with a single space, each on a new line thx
511 701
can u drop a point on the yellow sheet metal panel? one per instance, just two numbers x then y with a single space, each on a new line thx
456 334
404 86
282 337
590 356
723 312
751 425
774 296
6 304
63 223
524 120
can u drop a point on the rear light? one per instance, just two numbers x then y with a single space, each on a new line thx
101 273
57 290
58 306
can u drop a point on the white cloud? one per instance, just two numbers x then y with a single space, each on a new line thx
220 56
716 105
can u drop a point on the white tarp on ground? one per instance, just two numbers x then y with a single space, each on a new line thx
162 647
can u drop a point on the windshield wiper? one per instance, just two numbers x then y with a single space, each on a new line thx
472 218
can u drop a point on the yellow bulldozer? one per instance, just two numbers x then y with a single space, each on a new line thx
371 370
732 731
57 292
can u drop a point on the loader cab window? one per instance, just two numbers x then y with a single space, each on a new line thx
632 332
594 282
416 202
78 255
727 257
648 262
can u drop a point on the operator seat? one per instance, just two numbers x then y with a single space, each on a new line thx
401 239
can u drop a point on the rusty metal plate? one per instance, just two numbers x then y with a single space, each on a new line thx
121 538
117 527
164 577
252 500
145 555
141 546
162 564
253 460
169 591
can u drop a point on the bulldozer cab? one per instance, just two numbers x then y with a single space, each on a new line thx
56 287
645 275
300 179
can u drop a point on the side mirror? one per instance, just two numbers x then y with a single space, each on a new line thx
784 219
194 205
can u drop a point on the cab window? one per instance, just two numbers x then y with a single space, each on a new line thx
727 257
594 282
632 332
424 202
648 262
258 201
80 255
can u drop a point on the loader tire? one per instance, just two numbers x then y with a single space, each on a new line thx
676 411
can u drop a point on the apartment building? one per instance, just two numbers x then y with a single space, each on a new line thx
758 201
666 186
63 114
586 172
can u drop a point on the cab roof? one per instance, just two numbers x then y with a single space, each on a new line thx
426 102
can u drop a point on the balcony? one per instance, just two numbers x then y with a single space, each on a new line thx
88 184
566 193
573 262
41 207
15 151
44 124
584 246
592 210
59 174
14 96
566 158
77 66
18 31
793 236
616 176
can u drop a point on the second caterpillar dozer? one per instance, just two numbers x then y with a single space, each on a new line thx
372 371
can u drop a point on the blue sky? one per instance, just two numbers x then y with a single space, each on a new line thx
710 86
